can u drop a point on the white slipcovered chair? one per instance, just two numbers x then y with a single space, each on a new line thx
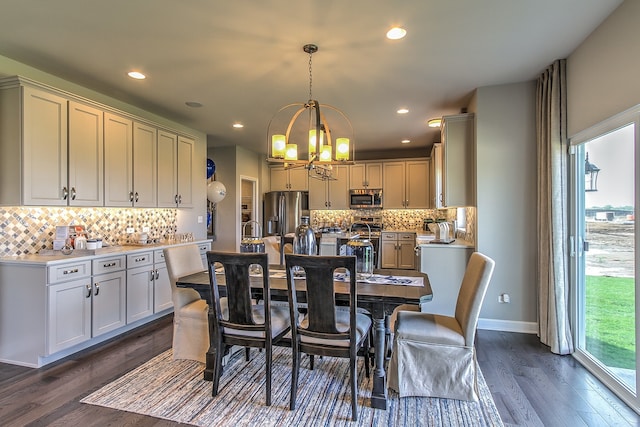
434 355
190 321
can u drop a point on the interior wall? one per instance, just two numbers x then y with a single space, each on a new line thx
602 73
506 197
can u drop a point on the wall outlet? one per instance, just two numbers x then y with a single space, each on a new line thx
200 219
504 298
145 229
131 230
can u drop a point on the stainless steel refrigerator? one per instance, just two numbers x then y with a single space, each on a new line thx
282 211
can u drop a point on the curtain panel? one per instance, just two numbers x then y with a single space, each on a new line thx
553 283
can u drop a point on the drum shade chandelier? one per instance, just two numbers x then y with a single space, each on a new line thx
309 143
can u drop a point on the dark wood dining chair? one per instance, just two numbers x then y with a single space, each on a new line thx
326 329
236 319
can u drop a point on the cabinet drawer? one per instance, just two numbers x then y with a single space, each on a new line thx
406 236
158 257
71 271
388 236
106 265
204 247
139 259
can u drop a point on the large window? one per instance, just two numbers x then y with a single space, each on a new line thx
605 243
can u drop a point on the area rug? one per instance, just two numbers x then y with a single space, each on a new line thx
176 391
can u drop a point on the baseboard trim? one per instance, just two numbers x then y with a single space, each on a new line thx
508 326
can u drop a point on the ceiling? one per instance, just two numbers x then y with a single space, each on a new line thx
243 60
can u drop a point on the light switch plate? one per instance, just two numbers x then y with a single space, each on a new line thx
145 229
200 219
131 230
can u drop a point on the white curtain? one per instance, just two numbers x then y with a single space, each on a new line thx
553 283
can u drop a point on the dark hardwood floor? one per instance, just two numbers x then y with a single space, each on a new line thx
530 385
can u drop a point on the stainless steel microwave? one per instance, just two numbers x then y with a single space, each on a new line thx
365 198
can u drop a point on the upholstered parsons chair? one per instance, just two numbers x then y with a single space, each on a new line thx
190 322
434 355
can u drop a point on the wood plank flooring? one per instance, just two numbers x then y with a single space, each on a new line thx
530 385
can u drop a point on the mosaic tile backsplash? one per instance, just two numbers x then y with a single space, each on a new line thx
26 230
398 219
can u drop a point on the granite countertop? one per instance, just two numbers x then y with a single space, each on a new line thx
49 257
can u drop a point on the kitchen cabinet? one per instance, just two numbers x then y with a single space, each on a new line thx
118 160
365 175
282 179
398 250
454 162
406 184
140 283
445 266
330 194
145 172
161 283
50 148
175 160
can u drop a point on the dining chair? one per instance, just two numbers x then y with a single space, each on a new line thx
236 319
326 329
434 355
190 322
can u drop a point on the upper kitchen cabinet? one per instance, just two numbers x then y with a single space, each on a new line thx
332 193
405 184
453 161
365 175
282 179
175 160
145 169
51 147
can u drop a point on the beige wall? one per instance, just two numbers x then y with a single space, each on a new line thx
603 73
506 200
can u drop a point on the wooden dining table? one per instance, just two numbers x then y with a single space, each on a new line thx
379 299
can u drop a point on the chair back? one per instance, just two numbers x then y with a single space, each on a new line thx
238 288
320 319
182 261
472 291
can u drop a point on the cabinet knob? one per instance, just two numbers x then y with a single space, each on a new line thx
131 196
65 193
136 198
73 193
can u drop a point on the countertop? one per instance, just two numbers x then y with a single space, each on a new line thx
41 259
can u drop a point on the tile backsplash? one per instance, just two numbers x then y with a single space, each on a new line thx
26 230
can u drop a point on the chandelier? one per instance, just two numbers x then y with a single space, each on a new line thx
296 142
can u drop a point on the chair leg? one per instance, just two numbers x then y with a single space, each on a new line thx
268 357
217 366
311 359
354 386
294 376
366 357
247 352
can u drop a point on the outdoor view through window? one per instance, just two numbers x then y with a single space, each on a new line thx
608 294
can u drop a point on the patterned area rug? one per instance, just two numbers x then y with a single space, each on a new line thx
175 390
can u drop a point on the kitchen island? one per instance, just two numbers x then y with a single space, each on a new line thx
52 306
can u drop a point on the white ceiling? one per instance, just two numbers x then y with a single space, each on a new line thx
243 59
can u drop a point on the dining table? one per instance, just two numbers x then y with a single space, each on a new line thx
379 294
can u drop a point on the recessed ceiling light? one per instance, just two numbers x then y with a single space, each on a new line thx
402 111
405 141
136 75
193 104
238 125
396 33
434 123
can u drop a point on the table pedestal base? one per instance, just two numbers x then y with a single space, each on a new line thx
379 393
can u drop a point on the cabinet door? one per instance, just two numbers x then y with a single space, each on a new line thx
435 195
69 314
393 189
357 176
139 293
458 160
298 179
118 160
406 255
45 148
374 175
144 165
168 169
318 194
185 171
279 179
86 147
417 184
109 302
388 256
338 190
162 289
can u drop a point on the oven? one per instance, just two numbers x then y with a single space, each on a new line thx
365 199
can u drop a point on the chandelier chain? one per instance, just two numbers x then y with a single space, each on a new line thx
310 75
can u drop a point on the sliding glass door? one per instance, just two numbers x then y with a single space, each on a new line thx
605 243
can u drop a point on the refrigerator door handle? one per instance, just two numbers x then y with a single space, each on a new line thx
281 214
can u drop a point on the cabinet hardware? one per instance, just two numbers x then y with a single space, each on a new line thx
175 199
72 271
65 193
136 198
111 264
180 199
140 259
131 196
157 275
88 291
73 193
97 289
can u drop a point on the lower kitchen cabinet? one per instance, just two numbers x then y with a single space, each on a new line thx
69 314
140 282
109 295
398 250
161 283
